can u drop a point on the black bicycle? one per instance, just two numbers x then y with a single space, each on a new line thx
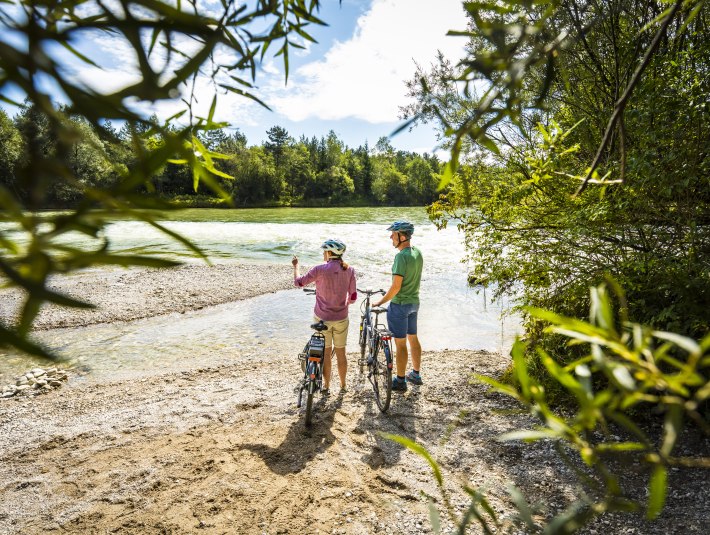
375 342
311 359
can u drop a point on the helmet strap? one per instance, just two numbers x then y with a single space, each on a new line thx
400 241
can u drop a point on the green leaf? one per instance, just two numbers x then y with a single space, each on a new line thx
619 446
489 144
672 427
569 520
79 55
690 345
210 117
528 435
498 386
522 506
10 338
434 518
656 491
419 450
521 367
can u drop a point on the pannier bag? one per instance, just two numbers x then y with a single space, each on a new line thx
317 346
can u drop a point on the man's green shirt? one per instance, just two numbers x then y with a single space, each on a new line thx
408 263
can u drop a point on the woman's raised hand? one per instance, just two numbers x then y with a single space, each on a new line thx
294 261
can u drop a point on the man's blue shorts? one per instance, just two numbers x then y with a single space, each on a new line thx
402 319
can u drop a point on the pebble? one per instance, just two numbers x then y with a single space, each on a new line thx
35 381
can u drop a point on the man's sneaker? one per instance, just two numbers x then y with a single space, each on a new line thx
399 384
414 378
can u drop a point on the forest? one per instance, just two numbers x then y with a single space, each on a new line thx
282 171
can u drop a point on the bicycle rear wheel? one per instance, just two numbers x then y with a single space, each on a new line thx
310 391
382 376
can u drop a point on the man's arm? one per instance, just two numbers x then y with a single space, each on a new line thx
394 290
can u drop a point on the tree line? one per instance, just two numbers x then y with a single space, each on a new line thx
282 171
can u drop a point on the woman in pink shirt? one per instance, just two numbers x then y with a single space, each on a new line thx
335 291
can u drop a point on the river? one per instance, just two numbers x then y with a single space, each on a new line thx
453 316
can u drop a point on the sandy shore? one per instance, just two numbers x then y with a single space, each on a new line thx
224 450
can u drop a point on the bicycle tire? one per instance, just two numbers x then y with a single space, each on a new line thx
310 391
382 376
363 343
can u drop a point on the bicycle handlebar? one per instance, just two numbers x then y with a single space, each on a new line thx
373 292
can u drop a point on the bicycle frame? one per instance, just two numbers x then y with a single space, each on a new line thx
373 337
367 326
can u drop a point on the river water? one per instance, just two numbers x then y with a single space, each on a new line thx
452 315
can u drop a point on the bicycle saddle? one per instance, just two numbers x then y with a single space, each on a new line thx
378 309
320 326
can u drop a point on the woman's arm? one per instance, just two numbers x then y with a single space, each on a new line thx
352 289
307 278
294 263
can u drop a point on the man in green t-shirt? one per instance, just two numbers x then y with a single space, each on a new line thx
402 312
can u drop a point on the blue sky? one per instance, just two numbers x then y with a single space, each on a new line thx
351 82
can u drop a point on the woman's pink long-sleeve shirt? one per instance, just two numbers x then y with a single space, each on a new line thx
335 289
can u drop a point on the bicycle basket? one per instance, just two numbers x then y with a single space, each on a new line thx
317 346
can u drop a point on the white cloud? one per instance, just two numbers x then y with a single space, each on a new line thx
364 77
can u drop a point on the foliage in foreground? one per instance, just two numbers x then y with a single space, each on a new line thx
646 372
173 45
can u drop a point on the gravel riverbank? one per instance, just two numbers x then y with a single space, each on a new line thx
223 449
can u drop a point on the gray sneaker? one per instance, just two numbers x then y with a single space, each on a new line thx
414 378
399 385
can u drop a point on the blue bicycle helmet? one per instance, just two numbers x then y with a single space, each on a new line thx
403 227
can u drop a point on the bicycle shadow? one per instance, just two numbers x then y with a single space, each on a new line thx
400 419
301 444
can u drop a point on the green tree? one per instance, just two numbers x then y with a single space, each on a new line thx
256 179
365 177
279 140
89 163
332 184
389 186
571 203
11 146
422 181
299 170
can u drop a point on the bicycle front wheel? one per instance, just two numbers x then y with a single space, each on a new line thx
363 342
382 376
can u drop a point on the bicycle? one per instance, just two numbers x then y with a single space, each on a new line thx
311 359
376 340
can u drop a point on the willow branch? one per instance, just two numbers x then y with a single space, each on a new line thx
621 103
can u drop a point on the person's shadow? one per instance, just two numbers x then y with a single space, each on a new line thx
301 444
400 419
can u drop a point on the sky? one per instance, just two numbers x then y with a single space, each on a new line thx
352 81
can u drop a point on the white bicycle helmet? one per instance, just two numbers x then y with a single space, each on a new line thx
336 247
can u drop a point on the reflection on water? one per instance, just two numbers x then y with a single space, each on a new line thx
452 315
